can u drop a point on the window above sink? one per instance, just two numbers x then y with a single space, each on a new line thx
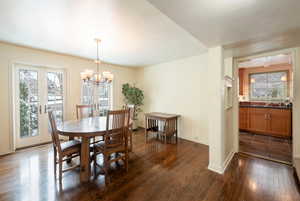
269 86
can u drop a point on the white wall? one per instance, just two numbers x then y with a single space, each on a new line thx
180 87
10 54
217 137
229 136
193 87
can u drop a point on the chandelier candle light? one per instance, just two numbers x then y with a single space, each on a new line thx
97 78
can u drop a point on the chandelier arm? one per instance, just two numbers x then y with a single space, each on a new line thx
97 78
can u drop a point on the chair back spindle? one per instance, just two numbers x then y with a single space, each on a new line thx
116 129
54 132
84 111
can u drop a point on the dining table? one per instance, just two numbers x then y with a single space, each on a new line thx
85 129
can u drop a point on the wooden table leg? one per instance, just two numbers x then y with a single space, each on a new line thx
85 160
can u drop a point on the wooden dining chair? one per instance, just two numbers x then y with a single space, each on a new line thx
115 141
85 111
62 151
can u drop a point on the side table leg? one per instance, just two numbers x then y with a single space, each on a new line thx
146 125
176 127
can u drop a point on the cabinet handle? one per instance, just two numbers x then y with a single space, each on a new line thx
40 109
266 116
45 109
270 116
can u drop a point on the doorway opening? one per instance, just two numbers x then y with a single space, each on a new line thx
265 92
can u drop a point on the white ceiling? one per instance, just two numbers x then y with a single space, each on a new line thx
143 32
134 33
222 22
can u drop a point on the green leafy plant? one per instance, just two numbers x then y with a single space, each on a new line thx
24 110
28 112
133 96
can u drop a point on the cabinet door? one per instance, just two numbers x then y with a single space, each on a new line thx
280 122
243 118
258 120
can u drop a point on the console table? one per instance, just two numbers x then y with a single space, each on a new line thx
164 125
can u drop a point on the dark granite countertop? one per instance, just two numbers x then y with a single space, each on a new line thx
267 106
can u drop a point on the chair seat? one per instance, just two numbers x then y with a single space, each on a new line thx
100 147
71 146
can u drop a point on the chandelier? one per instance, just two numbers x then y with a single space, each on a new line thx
98 77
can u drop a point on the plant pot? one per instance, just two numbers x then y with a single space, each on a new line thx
135 125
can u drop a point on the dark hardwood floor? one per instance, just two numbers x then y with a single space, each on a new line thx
157 172
266 146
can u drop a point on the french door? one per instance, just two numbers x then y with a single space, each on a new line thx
37 90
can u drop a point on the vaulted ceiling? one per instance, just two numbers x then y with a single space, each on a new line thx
142 32
133 32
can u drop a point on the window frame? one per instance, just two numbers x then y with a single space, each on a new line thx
287 93
97 97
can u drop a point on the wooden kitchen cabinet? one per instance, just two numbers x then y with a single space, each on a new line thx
267 121
280 122
243 115
257 120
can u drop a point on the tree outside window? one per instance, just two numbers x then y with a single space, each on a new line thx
28 103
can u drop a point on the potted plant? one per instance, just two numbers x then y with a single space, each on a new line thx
133 96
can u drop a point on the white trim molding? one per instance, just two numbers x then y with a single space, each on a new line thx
221 169
6 153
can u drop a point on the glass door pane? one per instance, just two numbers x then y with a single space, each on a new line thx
28 103
55 101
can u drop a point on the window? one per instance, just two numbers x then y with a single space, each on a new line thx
268 86
56 94
87 93
101 96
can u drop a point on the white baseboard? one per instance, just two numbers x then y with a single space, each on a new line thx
192 140
6 153
221 169
228 160
217 169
